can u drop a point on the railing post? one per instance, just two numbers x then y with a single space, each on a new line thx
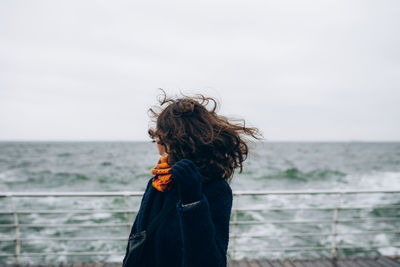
334 226
16 228
334 223
127 213
235 215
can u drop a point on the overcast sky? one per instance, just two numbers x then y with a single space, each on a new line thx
299 70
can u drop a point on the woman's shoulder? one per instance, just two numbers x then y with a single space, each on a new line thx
148 189
220 198
149 182
216 183
219 187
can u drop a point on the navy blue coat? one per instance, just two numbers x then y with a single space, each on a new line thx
190 236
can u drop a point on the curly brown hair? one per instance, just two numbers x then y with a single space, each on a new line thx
187 129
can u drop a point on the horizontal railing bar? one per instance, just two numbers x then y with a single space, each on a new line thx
119 252
284 248
371 219
370 247
71 194
313 192
316 221
317 234
136 211
230 236
233 209
115 253
315 248
231 222
370 233
281 235
66 225
66 239
317 208
66 211
126 238
239 192
63 253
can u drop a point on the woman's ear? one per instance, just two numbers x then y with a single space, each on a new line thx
166 149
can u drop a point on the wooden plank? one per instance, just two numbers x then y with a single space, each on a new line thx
275 263
389 262
325 263
288 263
243 263
297 263
253 263
232 263
263 263
372 262
317 262
341 263
357 262
395 260
313 263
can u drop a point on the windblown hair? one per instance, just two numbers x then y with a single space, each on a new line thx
214 143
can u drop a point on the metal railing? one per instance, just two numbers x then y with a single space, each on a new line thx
333 233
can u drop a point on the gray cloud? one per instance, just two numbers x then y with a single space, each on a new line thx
299 70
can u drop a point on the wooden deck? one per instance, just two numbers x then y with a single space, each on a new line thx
353 262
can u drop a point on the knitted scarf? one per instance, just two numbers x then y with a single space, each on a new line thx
162 179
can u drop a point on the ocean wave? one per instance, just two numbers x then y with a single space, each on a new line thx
296 174
375 180
64 155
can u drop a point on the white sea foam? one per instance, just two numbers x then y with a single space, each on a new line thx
375 180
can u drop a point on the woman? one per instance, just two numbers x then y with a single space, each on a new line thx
200 151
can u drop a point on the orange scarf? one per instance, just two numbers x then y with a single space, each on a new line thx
162 180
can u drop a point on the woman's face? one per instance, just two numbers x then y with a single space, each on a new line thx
161 148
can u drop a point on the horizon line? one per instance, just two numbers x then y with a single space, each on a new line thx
121 140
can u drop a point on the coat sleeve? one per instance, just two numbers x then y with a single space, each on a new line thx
140 211
134 226
205 227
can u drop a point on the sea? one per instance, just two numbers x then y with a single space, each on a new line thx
281 226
